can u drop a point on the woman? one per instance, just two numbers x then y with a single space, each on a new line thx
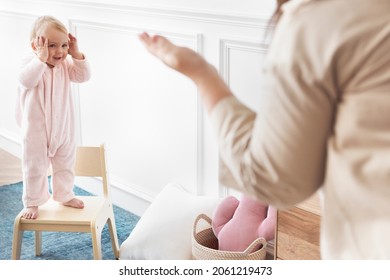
325 123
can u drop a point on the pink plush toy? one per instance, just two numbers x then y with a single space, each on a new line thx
237 224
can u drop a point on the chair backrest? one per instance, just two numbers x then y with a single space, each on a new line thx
91 162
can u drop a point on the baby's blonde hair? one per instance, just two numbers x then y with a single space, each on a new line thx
43 22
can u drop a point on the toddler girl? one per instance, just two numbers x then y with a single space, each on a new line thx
45 113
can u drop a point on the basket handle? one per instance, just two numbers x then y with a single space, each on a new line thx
200 217
255 244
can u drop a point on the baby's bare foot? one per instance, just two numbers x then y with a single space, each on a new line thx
30 212
75 203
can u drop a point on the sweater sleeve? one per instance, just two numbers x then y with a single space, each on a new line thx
79 70
278 154
31 71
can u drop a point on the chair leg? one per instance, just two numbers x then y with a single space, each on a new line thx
114 236
17 240
38 242
97 242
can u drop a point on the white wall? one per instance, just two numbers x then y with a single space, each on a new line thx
148 115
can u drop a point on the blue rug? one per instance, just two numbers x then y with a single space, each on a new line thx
56 245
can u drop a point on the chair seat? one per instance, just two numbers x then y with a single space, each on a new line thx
97 211
53 212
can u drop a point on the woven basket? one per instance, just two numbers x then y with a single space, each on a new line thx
205 245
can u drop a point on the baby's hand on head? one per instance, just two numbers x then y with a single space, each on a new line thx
40 47
74 48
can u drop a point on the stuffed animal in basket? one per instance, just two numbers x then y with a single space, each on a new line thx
237 223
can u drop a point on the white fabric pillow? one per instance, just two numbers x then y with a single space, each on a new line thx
164 232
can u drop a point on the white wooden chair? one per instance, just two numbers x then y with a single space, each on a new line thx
97 211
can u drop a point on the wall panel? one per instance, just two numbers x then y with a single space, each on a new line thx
148 115
241 62
145 112
15 33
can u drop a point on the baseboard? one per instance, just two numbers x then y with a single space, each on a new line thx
129 201
125 199
270 250
122 196
10 143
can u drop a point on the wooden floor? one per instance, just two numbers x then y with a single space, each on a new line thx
10 169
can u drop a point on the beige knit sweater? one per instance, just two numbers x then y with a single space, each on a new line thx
325 122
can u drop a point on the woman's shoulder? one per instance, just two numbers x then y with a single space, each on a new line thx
332 21
334 10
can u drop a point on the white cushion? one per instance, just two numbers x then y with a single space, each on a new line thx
164 232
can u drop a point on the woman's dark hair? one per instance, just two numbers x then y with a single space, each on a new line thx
278 12
273 21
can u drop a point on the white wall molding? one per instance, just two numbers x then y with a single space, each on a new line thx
190 156
193 38
129 189
226 46
128 199
195 15
18 14
10 143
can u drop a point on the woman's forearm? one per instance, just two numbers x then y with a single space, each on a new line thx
211 86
